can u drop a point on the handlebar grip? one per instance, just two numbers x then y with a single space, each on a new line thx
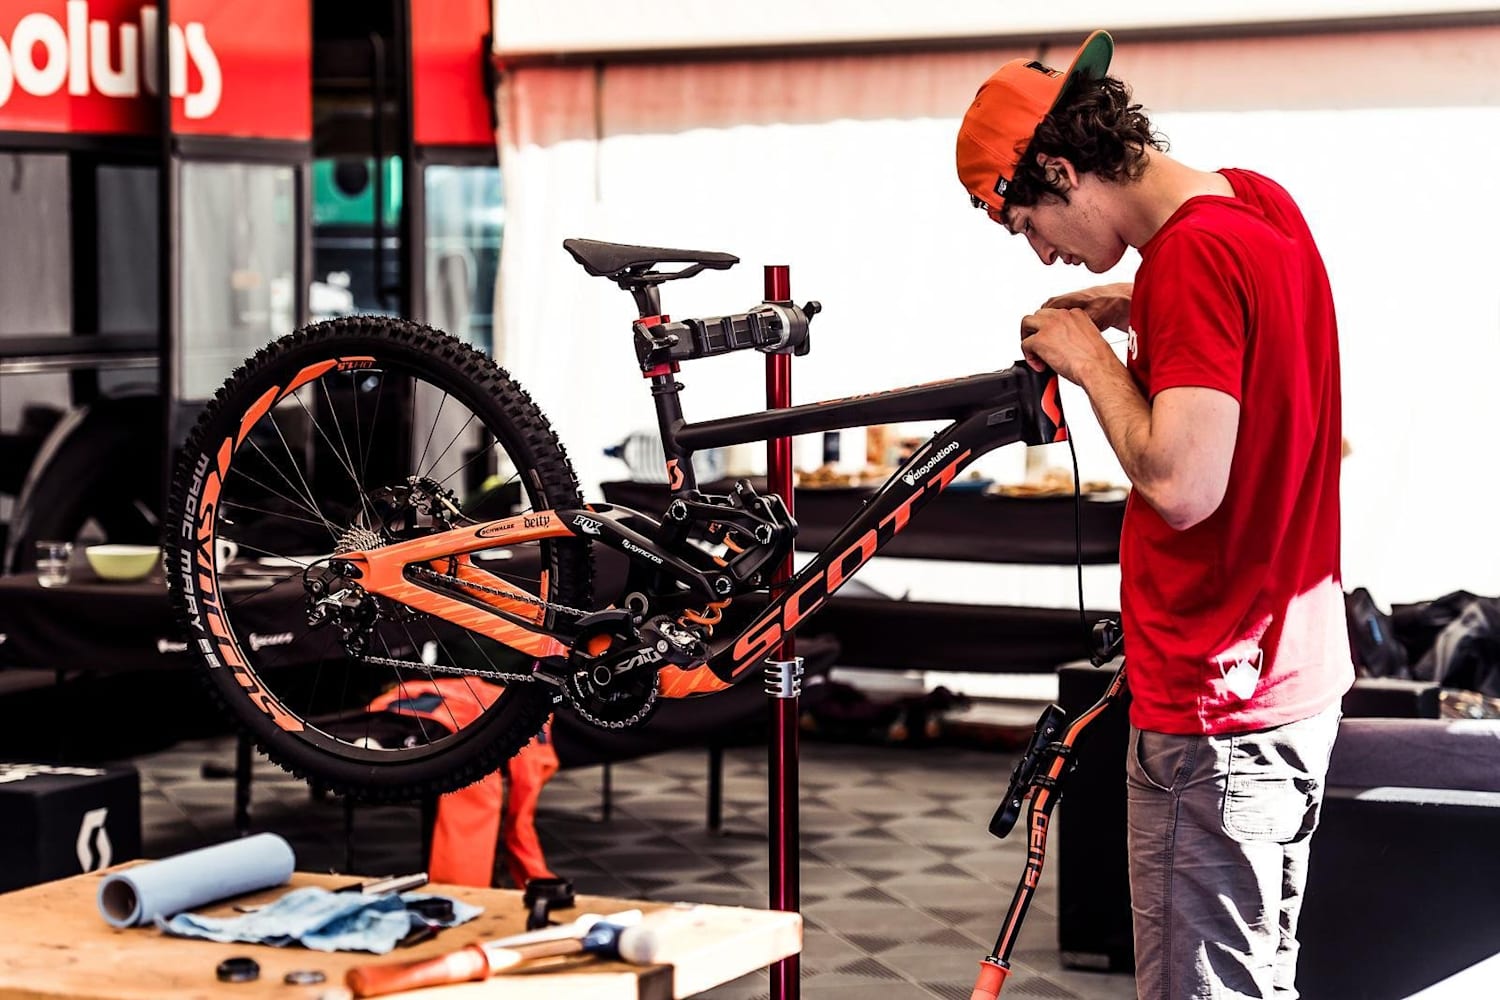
461 966
989 981
1042 403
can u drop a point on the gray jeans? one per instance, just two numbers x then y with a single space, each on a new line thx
1219 830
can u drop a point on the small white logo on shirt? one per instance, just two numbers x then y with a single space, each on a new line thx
1133 345
1241 673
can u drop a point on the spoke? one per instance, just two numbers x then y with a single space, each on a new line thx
298 502
308 492
359 440
345 459
374 423
262 510
435 462
401 684
474 641
297 470
478 455
432 679
307 503
432 430
344 700
453 662
242 597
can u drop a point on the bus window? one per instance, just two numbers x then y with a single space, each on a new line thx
35 283
465 217
343 232
127 239
239 232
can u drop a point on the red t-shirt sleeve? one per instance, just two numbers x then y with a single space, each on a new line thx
1199 315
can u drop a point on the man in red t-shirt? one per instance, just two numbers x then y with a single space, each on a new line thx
1225 415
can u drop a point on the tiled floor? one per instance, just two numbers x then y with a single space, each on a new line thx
903 888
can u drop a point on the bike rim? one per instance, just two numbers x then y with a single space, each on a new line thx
303 480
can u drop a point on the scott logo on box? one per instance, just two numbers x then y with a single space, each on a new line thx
88 55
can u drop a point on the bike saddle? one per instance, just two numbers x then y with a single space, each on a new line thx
619 260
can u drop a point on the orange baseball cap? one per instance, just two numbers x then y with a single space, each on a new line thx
1009 106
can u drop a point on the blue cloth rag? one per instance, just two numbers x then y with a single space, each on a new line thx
321 920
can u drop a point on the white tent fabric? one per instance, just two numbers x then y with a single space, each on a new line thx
841 166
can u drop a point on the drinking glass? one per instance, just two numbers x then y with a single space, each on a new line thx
52 563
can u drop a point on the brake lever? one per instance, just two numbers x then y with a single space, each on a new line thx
1048 728
1109 641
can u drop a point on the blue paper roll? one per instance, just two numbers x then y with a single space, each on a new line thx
172 885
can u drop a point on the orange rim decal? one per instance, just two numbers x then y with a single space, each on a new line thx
257 410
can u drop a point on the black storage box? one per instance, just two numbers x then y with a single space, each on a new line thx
1093 873
58 820
1401 887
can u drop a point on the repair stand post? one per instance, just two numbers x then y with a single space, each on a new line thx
783 675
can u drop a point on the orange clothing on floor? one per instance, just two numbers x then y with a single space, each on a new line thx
468 826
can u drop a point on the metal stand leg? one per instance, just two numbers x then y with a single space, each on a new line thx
784 684
606 793
242 765
783 677
348 834
715 789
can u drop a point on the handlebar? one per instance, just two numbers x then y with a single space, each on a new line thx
1043 421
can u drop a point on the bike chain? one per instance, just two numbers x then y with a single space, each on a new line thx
501 675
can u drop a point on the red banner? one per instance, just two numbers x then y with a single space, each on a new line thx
238 67
449 50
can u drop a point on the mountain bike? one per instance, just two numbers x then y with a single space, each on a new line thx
411 518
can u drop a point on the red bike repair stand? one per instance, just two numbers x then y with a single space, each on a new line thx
783 674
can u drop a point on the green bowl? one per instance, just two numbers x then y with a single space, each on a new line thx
122 562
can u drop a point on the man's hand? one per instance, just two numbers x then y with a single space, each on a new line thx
1065 340
1107 305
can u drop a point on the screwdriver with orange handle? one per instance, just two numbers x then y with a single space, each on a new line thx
604 938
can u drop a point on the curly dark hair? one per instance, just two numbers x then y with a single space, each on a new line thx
1096 128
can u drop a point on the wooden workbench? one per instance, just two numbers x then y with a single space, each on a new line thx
54 943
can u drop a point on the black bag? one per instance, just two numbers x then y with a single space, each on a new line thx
1417 625
1466 654
1372 640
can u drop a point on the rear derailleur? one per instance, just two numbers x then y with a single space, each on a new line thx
417 507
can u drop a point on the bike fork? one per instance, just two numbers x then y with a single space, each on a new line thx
1039 774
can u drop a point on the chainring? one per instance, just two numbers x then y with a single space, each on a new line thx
612 675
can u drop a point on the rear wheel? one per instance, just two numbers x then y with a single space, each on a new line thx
346 435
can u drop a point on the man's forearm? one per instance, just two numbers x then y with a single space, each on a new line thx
1125 416
1177 449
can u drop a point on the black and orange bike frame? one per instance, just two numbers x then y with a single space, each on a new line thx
985 411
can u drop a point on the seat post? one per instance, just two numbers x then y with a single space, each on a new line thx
647 297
